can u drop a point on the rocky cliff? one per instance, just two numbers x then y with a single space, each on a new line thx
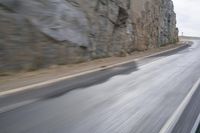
39 33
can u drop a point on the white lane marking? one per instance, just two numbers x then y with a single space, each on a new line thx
17 105
196 125
34 86
170 124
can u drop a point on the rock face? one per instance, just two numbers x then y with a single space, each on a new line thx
39 33
155 23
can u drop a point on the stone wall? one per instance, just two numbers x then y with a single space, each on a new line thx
35 34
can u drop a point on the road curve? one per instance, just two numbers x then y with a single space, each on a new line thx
135 98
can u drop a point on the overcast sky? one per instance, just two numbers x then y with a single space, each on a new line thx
188 16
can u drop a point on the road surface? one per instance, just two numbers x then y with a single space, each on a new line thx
138 97
189 116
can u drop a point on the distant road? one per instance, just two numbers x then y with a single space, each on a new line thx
189 38
138 97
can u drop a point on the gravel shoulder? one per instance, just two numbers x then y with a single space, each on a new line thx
20 79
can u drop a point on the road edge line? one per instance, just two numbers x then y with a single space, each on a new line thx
34 86
17 105
170 124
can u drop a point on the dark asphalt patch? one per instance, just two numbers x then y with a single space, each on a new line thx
198 129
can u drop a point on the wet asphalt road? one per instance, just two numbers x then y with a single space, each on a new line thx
138 97
190 115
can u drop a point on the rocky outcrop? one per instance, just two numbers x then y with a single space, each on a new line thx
155 22
39 33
